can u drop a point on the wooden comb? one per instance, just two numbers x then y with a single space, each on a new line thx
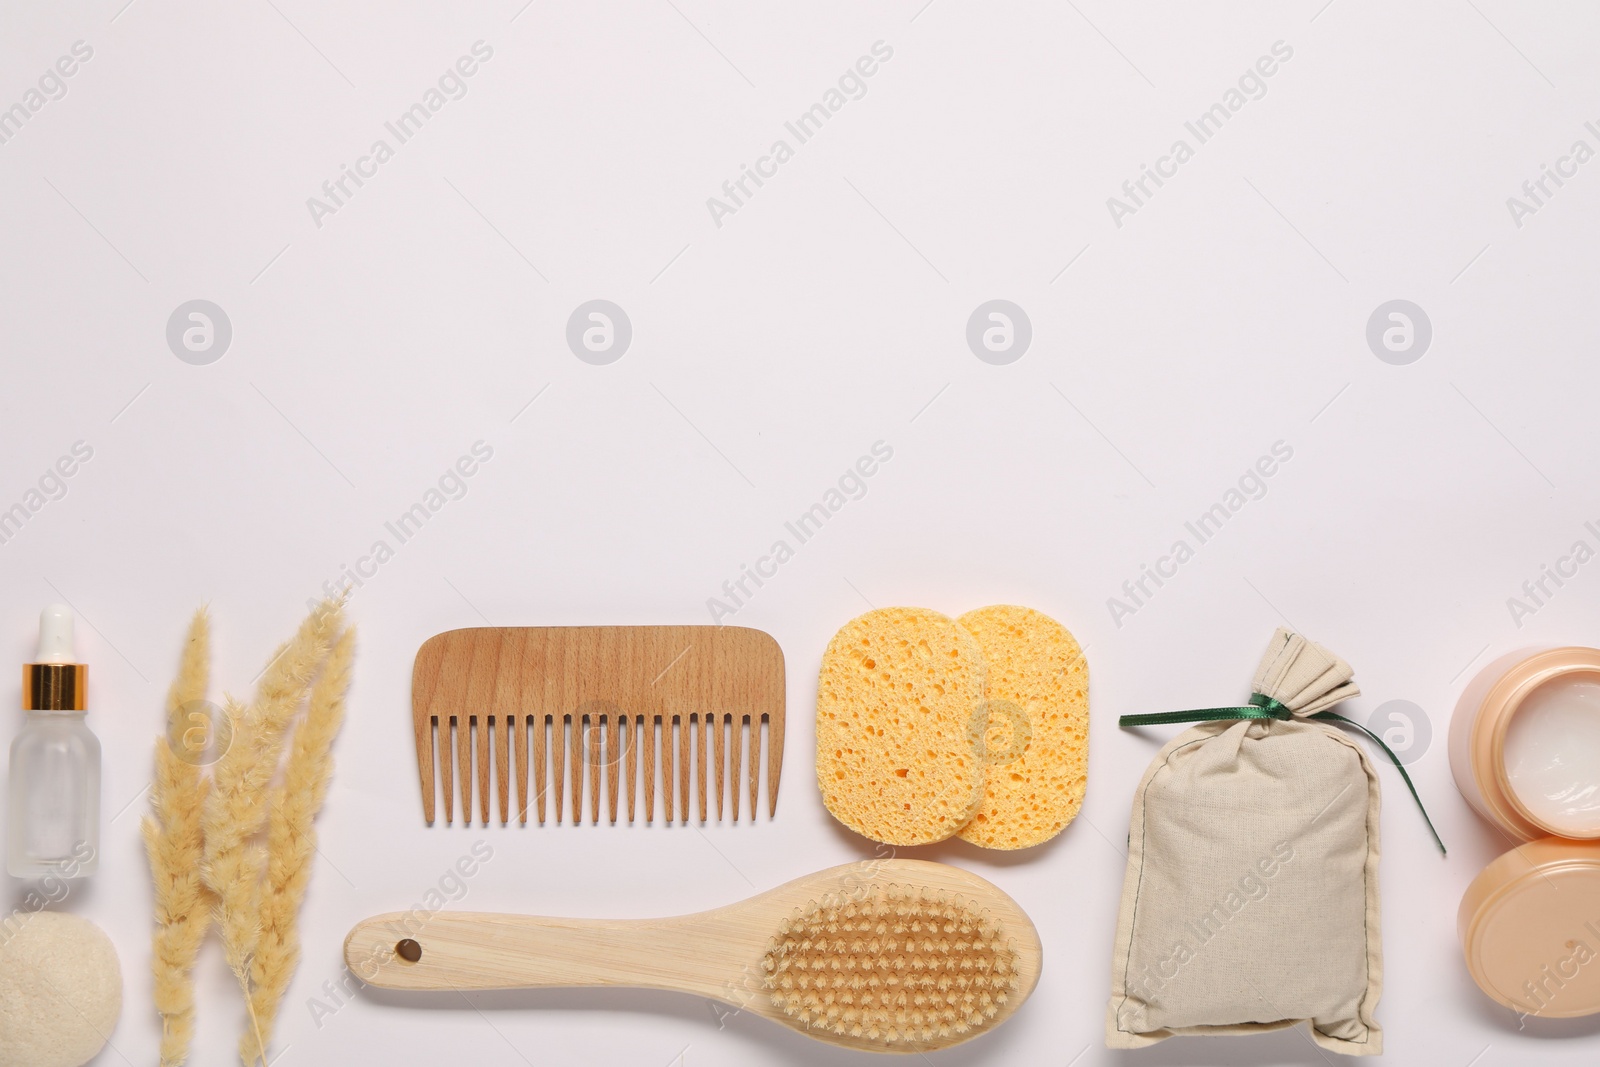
582 704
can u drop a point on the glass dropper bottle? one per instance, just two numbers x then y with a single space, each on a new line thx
53 815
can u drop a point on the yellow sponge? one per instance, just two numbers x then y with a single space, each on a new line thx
1036 746
897 727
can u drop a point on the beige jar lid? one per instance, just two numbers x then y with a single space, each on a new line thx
1530 927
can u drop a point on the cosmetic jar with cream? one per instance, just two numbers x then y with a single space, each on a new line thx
1525 744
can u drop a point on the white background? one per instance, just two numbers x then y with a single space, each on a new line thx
768 354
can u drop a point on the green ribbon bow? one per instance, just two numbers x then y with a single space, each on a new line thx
1262 706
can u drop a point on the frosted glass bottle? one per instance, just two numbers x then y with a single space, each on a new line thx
53 809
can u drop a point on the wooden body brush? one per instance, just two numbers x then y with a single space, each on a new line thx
885 955
593 703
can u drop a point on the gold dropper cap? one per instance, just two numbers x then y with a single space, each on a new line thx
55 683
55 686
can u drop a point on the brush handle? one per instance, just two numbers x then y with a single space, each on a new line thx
712 955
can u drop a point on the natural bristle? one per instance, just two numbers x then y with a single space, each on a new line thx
892 966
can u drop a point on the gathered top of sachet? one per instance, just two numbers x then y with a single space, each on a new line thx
1297 680
1302 675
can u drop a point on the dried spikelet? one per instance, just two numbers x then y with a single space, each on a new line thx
232 864
173 843
288 677
291 844
235 808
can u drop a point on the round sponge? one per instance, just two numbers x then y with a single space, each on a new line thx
1036 745
60 990
899 725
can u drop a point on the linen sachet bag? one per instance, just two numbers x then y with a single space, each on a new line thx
1251 897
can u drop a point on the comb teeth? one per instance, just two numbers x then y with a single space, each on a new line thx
586 766
542 706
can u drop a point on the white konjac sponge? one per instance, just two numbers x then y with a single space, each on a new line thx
60 990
